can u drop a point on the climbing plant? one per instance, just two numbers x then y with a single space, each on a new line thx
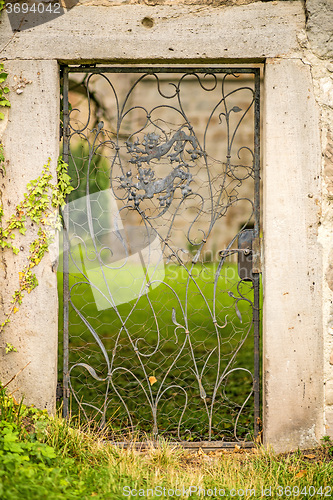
39 208
4 101
4 90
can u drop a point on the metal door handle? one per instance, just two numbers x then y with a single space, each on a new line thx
245 264
249 254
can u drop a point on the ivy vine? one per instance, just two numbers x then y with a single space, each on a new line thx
4 101
4 90
39 208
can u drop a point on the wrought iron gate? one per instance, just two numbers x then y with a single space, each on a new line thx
161 283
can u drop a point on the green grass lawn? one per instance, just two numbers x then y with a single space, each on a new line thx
43 458
174 375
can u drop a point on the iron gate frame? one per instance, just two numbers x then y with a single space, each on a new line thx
65 70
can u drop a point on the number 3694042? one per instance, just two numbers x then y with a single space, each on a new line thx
34 8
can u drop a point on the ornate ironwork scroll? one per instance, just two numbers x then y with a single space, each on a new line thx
161 335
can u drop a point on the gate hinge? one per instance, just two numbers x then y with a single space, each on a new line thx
60 392
92 65
63 131
257 255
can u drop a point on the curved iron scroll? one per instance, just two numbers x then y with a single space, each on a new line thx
161 329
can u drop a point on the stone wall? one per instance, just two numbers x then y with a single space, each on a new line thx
317 42
29 136
294 43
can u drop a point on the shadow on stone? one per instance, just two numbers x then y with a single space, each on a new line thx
25 15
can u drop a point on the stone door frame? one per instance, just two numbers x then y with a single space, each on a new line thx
266 33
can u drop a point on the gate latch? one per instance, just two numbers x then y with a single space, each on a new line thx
59 392
249 261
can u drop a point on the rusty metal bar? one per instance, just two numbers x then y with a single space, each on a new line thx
160 69
256 277
65 253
